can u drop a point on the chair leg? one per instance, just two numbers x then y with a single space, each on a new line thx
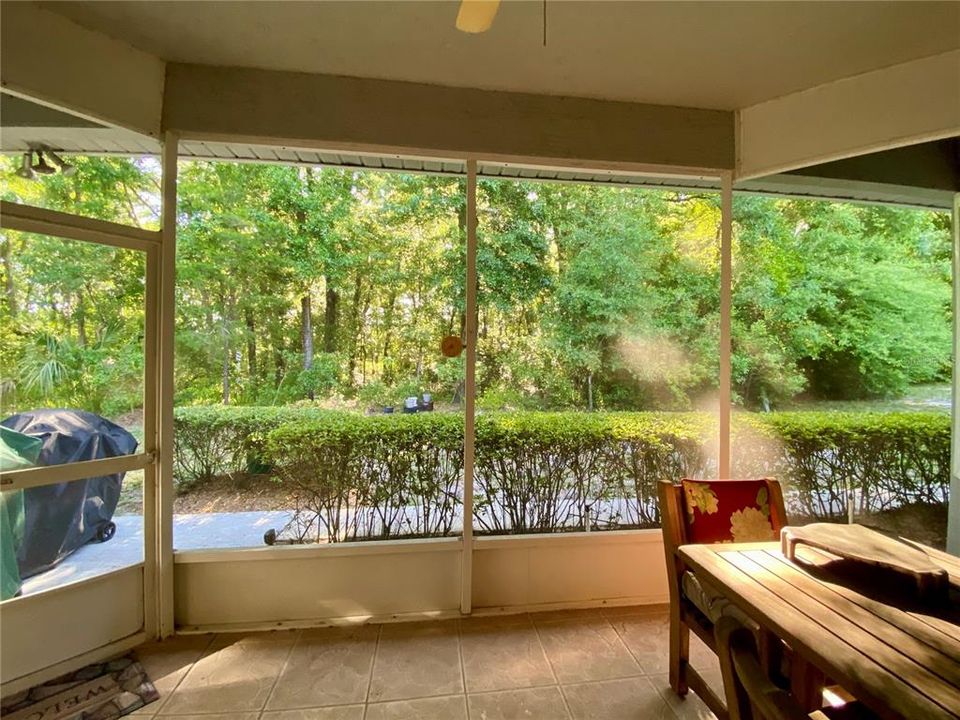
679 654
771 653
806 684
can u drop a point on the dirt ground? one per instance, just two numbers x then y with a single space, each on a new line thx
239 493
926 524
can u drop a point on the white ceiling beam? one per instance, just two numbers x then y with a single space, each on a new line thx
354 114
47 58
900 105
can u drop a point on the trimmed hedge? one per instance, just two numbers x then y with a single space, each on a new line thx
883 460
216 440
543 472
401 475
373 477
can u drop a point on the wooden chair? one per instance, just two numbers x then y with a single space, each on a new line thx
692 607
751 694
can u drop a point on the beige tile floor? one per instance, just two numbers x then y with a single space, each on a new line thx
607 664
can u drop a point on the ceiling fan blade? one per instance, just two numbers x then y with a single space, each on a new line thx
476 16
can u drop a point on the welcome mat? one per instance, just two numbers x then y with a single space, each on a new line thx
101 691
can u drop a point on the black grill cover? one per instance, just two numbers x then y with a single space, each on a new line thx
58 519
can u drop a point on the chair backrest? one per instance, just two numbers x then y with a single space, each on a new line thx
708 511
676 520
750 694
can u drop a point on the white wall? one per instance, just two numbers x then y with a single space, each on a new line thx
51 627
313 584
407 579
569 570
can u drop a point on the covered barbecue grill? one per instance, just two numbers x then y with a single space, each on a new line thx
59 519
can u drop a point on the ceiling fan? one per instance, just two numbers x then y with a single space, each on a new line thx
476 16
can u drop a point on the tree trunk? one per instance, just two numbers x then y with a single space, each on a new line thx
388 335
306 329
278 365
590 391
81 319
459 393
9 285
251 344
355 327
462 227
225 331
225 392
451 320
363 340
306 319
331 314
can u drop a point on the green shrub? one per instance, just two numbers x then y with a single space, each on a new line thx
373 477
396 475
377 394
499 397
215 440
450 377
374 393
882 460
321 378
383 476
408 388
555 471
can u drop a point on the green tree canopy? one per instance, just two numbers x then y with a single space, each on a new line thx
337 285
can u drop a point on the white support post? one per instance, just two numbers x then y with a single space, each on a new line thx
953 509
726 291
151 438
167 306
466 564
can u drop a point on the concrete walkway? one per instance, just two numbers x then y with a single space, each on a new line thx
190 532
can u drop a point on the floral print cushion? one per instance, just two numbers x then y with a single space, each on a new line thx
729 511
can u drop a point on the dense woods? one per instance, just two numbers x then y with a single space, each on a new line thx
300 283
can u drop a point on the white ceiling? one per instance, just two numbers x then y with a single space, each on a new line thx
718 55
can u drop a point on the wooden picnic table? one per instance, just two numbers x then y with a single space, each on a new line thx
896 654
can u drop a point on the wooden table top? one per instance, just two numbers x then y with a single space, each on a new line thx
898 656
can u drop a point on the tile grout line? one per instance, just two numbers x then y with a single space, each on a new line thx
530 622
396 701
276 681
373 666
643 669
430 697
463 672
203 654
183 677
643 672
416 698
673 710
626 647
521 688
218 713
563 695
